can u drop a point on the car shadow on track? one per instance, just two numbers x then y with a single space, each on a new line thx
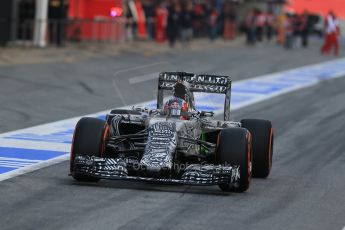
154 187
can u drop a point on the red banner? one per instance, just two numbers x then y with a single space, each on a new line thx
321 7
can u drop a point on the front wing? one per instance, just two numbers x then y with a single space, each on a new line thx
193 174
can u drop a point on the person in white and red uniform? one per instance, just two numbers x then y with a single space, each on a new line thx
332 33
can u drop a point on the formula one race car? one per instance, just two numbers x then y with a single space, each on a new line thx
174 143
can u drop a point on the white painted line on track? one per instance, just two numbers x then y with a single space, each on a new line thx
34 167
61 125
63 147
16 159
14 164
143 78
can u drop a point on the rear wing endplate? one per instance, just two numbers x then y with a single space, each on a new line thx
204 83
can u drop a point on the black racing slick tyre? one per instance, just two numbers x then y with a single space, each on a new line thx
262 135
234 148
88 139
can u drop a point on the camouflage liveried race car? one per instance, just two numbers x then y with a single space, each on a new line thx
174 143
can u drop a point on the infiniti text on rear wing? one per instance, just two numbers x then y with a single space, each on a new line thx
198 83
204 83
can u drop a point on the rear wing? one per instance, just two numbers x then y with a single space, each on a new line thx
198 83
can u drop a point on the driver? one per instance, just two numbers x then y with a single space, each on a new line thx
176 105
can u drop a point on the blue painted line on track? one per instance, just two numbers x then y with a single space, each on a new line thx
102 117
206 108
29 154
259 88
6 169
9 165
238 98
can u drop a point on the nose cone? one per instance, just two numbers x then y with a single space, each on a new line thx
159 151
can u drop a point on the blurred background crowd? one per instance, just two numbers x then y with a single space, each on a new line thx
44 22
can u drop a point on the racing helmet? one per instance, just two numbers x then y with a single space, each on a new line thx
180 90
176 107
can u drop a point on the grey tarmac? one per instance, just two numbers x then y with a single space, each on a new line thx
304 191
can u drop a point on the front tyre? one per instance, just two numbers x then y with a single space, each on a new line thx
262 134
88 140
234 148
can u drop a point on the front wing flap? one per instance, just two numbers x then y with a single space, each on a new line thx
194 174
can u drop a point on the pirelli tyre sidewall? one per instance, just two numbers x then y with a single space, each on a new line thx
262 135
88 139
234 148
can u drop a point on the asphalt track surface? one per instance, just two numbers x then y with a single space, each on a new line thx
304 191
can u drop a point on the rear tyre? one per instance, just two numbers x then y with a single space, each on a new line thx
88 140
262 134
234 148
